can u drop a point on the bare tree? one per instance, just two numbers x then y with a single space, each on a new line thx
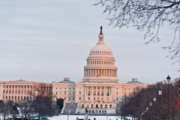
1 106
26 109
43 105
14 111
60 104
147 15
163 108
6 109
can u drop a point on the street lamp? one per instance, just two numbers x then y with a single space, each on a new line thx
151 103
147 108
154 99
160 92
168 78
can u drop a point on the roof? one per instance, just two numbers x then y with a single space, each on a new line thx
134 81
66 80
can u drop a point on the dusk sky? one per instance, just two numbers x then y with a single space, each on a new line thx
47 40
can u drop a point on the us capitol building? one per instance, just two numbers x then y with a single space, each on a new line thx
98 93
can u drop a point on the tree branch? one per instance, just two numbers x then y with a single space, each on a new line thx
165 7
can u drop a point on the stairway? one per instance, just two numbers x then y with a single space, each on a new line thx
70 108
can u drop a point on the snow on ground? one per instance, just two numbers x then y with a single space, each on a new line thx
90 117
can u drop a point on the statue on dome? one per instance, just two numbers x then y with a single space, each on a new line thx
101 30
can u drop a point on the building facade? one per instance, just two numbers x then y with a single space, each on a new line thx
98 93
20 91
64 90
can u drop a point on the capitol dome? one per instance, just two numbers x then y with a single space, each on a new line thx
101 46
100 63
100 49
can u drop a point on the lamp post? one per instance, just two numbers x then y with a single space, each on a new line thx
86 114
150 104
168 82
68 113
151 116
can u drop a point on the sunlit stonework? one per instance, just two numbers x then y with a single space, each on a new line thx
100 92
100 66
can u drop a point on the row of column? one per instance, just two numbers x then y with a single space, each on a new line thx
99 62
98 91
100 72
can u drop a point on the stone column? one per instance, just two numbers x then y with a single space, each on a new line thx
110 92
84 92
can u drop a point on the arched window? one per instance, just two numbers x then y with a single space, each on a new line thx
110 106
96 105
91 105
105 106
101 106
